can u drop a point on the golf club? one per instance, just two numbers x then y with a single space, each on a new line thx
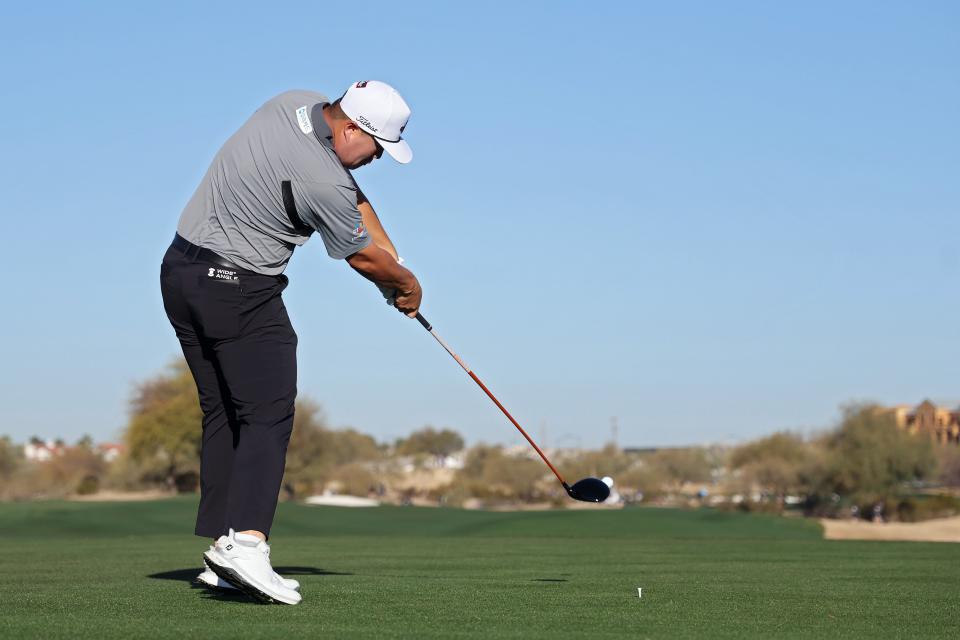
586 490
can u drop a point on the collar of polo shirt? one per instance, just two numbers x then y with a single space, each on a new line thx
320 128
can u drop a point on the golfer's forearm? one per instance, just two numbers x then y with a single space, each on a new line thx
372 222
378 266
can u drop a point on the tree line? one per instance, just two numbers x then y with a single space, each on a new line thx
864 461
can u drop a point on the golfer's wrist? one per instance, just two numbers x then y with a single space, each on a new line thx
410 283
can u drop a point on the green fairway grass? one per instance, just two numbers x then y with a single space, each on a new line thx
124 570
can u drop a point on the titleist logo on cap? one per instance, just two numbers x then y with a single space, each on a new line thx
369 125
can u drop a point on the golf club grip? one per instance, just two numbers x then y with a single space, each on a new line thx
423 321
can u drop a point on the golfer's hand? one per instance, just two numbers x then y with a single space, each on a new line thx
382 268
389 293
407 300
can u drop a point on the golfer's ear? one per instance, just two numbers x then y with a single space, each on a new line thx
351 130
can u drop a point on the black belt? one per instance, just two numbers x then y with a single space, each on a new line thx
200 254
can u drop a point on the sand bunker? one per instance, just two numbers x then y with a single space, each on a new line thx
938 530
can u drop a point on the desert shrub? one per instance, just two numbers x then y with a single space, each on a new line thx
354 479
489 473
432 442
678 466
867 459
163 435
919 508
315 451
778 464
88 486
948 463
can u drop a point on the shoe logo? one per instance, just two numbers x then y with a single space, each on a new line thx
229 547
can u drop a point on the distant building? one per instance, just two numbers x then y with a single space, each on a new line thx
453 461
941 424
39 451
109 451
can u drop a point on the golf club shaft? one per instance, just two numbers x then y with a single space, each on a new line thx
428 327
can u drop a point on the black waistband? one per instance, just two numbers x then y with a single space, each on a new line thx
200 254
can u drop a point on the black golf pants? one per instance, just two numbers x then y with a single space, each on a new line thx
242 350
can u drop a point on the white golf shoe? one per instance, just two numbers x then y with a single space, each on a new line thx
209 579
243 561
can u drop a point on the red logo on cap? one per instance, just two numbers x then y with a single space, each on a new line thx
361 85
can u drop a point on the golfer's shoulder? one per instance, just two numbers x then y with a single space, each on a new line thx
297 97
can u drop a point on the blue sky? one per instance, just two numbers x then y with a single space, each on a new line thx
710 220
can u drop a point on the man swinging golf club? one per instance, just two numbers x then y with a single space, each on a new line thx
283 175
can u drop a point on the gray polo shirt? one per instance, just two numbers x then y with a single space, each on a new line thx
238 210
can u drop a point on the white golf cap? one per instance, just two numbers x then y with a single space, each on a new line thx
378 109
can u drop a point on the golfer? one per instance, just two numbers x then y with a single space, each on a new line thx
283 175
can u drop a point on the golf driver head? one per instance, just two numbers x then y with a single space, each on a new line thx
589 490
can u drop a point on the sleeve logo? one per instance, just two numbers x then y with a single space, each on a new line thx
359 232
303 119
